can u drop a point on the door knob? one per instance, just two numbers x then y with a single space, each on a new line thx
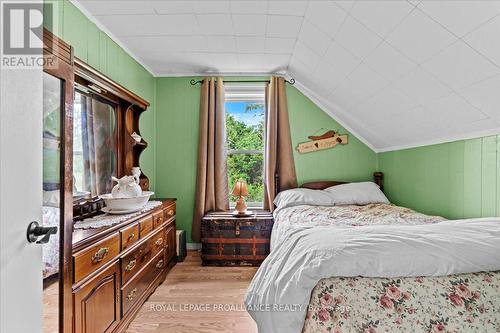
35 231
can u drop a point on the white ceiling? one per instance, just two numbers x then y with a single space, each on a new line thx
396 73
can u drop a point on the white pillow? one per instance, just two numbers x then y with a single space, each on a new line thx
357 194
303 196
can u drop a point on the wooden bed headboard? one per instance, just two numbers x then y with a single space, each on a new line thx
378 178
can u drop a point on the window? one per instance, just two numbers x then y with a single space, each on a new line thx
245 114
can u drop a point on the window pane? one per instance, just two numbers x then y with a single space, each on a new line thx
245 132
248 167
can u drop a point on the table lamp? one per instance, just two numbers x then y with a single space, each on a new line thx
240 190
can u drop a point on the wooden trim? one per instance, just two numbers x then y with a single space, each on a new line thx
91 74
59 61
321 185
235 240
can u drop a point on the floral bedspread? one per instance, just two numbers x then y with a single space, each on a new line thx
457 303
303 216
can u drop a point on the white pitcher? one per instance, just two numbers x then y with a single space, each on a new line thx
126 187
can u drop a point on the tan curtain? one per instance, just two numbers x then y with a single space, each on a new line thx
212 192
279 156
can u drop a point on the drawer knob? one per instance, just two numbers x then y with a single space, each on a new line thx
159 241
170 212
159 264
131 294
131 265
132 236
100 255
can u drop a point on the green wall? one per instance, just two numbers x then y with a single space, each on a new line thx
98 50
178 107
460 179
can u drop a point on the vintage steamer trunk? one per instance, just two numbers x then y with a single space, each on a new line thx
228 240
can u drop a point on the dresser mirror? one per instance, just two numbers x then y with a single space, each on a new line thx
106 138
94 144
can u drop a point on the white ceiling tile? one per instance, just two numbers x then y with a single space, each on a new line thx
326 15
251 44
395 100
287 7
419 37
283 26
221 43
485 39
181 62
389 62
421 86
299 71
254 25
381 16
167 7
280 45
454 109
345 4
367 79
348 96
328 76
222 62
248 7
263 62
314 38
167 43
338 56
459 66
461 17
303 53
356 38
215 24
485 96
211 6
150 25
114 7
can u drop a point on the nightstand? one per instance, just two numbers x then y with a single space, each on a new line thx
228 240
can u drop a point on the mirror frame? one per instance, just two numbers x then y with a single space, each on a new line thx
59 62
128 110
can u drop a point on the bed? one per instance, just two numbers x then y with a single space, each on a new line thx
377 268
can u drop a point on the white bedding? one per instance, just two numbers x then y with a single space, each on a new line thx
279 294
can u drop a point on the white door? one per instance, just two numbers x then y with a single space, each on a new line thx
20 199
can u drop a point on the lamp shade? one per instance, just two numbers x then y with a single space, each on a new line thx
240 188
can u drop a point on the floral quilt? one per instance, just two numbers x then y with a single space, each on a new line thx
457 303
303 216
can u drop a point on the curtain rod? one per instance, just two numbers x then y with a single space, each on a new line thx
291 81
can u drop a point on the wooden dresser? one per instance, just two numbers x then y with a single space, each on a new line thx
228 240
117 268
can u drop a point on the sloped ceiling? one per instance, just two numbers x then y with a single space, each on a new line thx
396 73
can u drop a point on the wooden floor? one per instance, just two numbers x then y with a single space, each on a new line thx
179 304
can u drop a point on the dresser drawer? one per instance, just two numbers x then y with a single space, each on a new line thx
90 259
145 226
129 236
135 260
136 287
158 219
169 212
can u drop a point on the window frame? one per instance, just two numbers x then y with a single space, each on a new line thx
250 92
